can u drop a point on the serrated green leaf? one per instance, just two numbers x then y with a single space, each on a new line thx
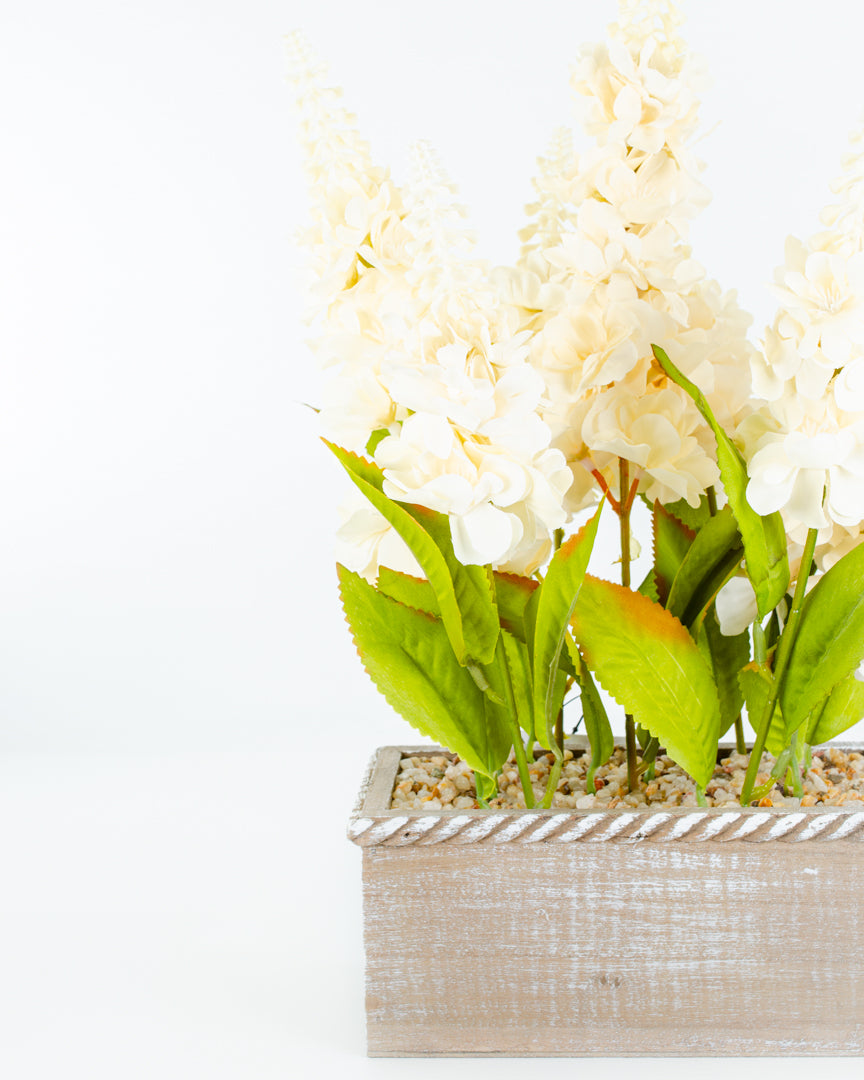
597 725
672 540
648 662
829 644
727 656
519 665
755 681
558 595
464 593
711 560
843 709
408 656
513 594
764 537
411 591
693 518
649 586
473 585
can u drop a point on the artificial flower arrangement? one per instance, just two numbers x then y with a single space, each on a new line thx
488 416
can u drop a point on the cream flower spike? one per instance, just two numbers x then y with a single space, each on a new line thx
845 219
806 452
352 200
441 241
639 19
328 131
553 211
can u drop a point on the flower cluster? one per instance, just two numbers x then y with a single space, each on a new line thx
433 375
507 397
606 271
805 445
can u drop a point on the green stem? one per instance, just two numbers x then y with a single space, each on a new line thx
554 777
624 518
740 741
632 754
625 507
712 501
516 733
559 730
784 649
649 758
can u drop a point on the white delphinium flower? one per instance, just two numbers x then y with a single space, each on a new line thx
805 448
811 467
363 308
617 257
502 505
365 542
553 183
471 444
423 353
658 431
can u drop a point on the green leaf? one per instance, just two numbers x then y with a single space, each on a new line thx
464 593
512 595
519 664
649 586
694 519
597 725
558 596
473 586
374 439
764 537
755 681
843 709
829 644
407 654
726 657
411 591
672 540
650 664
712 559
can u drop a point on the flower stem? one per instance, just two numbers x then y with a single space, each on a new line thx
552 784
625 504
740 741
518 748
784 649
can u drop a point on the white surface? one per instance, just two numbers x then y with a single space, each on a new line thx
169 629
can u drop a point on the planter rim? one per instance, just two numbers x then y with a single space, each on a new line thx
374 824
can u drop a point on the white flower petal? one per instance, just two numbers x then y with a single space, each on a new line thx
484 535
736 606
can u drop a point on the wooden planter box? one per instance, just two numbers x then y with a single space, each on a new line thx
611 933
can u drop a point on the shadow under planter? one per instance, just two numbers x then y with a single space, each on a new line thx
610 933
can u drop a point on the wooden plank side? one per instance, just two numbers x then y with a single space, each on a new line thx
615 950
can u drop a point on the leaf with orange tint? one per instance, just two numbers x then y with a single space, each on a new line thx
558 595
648 662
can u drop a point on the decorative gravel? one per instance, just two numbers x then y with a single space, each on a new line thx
443 782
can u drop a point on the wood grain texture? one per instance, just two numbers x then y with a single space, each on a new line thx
708 944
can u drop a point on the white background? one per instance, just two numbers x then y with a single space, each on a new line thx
170 639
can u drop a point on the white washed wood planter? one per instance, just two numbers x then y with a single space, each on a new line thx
611 933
